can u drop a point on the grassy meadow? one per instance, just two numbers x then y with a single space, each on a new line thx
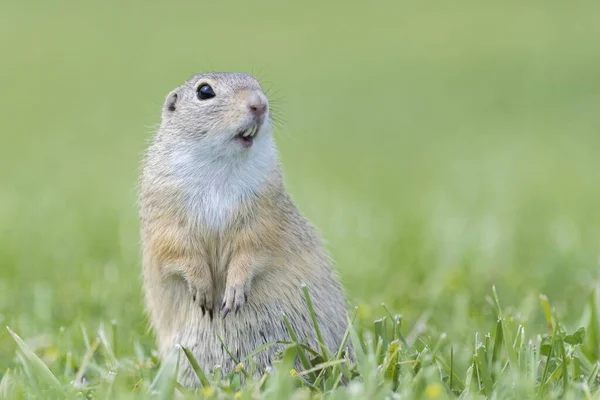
442 149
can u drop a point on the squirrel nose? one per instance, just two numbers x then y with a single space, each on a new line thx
257 103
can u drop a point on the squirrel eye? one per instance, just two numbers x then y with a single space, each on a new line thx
205 92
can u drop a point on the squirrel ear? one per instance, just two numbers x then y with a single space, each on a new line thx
171 102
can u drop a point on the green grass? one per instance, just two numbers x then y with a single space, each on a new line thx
507 362
441 149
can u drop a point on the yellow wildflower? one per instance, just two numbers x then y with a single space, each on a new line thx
208 391
433 390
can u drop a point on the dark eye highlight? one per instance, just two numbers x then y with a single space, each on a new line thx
205 92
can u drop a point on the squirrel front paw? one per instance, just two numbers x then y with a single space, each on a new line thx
235 296
202 295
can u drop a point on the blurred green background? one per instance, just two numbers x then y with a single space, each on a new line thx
440 148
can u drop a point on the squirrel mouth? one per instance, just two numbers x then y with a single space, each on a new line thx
246 137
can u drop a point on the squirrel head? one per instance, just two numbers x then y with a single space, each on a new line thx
222 113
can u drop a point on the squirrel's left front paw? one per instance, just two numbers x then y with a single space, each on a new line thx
235 296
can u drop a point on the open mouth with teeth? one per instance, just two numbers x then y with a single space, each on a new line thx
246 137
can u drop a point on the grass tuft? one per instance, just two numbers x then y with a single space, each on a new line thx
502 362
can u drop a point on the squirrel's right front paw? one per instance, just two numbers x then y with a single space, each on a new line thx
203 296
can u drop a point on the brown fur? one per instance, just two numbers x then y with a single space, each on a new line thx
233 280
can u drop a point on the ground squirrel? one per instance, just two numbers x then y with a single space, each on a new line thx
225 250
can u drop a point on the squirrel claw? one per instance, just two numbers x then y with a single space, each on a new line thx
204 300
225 310
235 297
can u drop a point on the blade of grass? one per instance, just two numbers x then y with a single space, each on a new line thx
108 349
303 360
87 357
338 355
346 334
308 349
391 371
324 351
196 367
85 336
321 366
113 325
498 339
10 388
380 328
109 387
261 348
450 370
235 360
37 369
556 374
483 371
451 367
166 377
397 324
513 358
468 381
497 302
547 365
547 312
594 374
182 389
519 338
592 339
565 373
